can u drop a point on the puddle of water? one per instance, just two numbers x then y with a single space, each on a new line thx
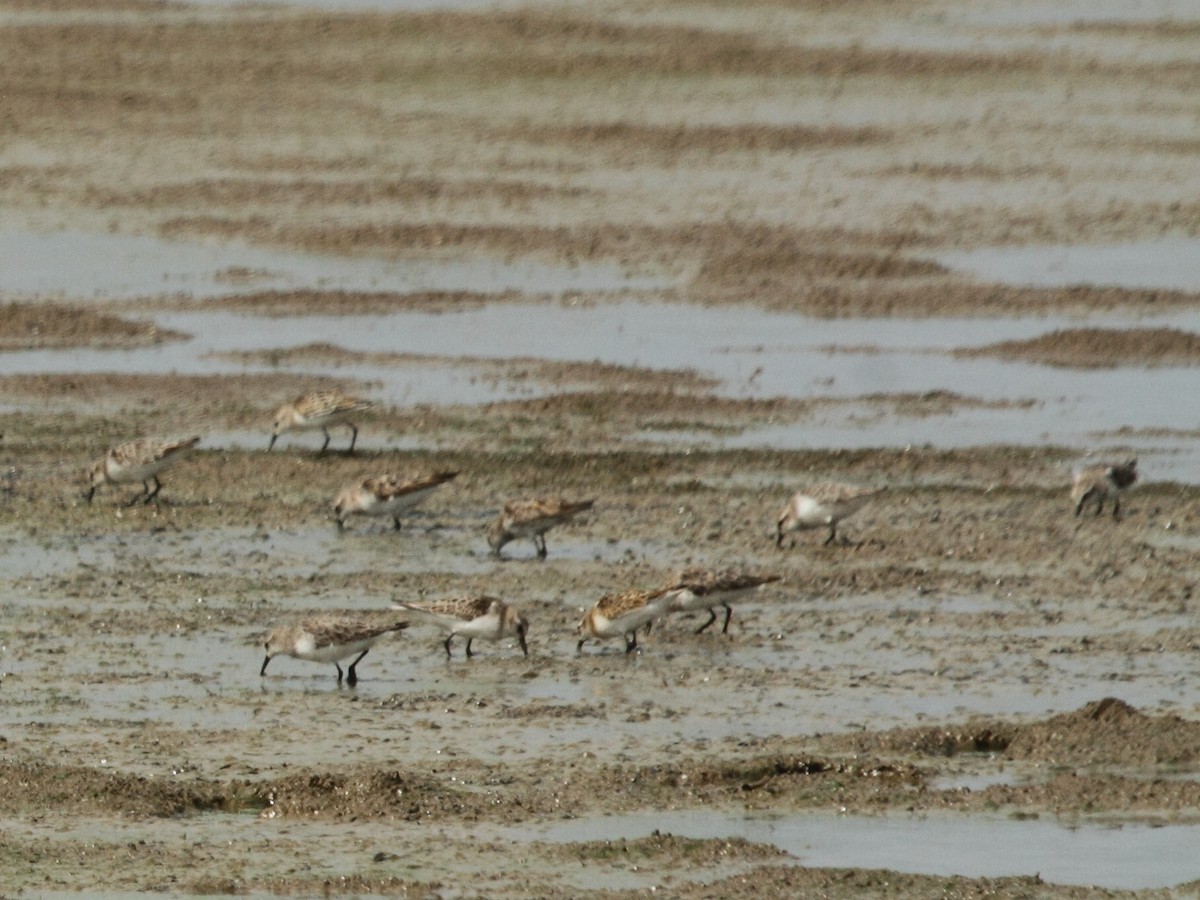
775 355
1170 262
753 353
974 782
118 266
386 6
1132 857
1068 12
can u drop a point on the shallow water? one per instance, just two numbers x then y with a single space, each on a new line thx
1132 857
754 353
123 266
1169 262
1066 12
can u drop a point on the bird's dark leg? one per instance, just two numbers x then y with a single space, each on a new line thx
631 641
712 617
339 668
579 646
832 534
150 495
1116 508
395 523
351 675
446 644
324 431
353 438
469 653
539 541
728 616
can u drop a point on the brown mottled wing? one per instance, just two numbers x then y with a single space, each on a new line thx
705 581
175 446
388 487
614 605
346 631
524 512
145 450
322 404
465 608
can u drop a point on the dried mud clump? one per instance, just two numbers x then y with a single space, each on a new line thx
800 780
1108 732
45 326
34 786
981 738
799 881
1099 348
351 303
674 140
361 793
658 845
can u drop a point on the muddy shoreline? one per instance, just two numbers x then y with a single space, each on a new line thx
971 656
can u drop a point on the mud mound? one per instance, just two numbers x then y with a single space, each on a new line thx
971 738
1108 732
362 793
41 326
34 786
1100 348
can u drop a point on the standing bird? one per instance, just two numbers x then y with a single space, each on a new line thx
327 639
623 614
386 496
1102 481
532 519
483 617
708 588
822 505
135 461
320 410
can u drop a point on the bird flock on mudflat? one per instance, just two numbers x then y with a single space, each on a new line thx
332 639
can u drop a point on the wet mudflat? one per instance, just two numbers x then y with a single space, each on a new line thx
725 254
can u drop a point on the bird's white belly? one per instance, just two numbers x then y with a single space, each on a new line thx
131 473
332 652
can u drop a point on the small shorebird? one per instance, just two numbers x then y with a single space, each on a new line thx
709 588
483 617
822 505
322 410
135 461
327 639
623 614
1102 481
386 496
532 519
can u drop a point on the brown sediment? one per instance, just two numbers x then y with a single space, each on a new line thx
1099 348
515 370
42 326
